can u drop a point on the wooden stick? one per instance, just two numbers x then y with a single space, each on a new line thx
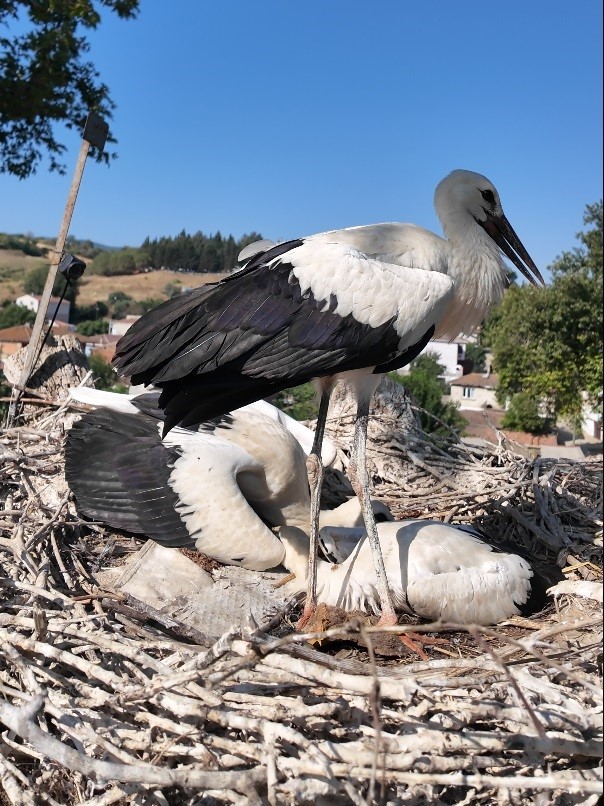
36 333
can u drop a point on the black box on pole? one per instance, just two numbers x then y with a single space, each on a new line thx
95 131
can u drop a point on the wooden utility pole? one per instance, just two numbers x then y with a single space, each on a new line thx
95 134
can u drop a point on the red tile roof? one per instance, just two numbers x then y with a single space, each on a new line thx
477 379
104 352
22 333
484 424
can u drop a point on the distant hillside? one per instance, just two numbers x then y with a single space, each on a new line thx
155 270
191 253
14 265
101 247
150 285
26 244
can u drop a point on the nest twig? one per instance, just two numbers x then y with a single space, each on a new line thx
102 701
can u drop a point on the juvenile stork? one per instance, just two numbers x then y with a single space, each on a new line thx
219 487
438 571
349 303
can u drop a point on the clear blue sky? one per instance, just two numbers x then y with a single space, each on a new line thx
288 118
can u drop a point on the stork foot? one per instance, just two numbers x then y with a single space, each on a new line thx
387 620
309 612
416 642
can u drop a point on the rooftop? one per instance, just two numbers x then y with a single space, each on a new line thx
22 333
486 423
478 379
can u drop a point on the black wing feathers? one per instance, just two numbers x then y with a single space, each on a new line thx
406 357
174 324
251 335
118 471
148 403
260 259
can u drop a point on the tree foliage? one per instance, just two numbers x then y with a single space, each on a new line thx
35 280
195 253
585 259
122 308
547 343
91 327
148 304
46 81
104 376
118 261
122 304
82 247
476 353
523 415
12 314
300 402
119 296
427 388
172 290
84 313
21 243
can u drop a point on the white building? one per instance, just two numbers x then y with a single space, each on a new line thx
592 420
475 391
117 327
450 354
32 301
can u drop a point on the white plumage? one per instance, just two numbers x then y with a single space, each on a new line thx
236 480
233 479
124 403
348 303
435 570
228 480
404 272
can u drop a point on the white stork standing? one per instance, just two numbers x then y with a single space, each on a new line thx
348 303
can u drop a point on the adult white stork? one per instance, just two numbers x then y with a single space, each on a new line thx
348 303
218 487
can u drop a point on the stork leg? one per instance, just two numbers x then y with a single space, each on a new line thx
314 466
359 478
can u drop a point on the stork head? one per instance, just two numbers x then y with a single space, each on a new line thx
465 195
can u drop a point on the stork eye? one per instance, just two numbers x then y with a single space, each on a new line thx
489 197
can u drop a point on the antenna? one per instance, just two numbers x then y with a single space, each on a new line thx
94 134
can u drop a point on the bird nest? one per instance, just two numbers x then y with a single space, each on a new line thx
104 700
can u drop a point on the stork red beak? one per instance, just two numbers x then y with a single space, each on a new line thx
502 232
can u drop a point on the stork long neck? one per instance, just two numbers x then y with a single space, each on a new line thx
296 544
295 535
479 274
